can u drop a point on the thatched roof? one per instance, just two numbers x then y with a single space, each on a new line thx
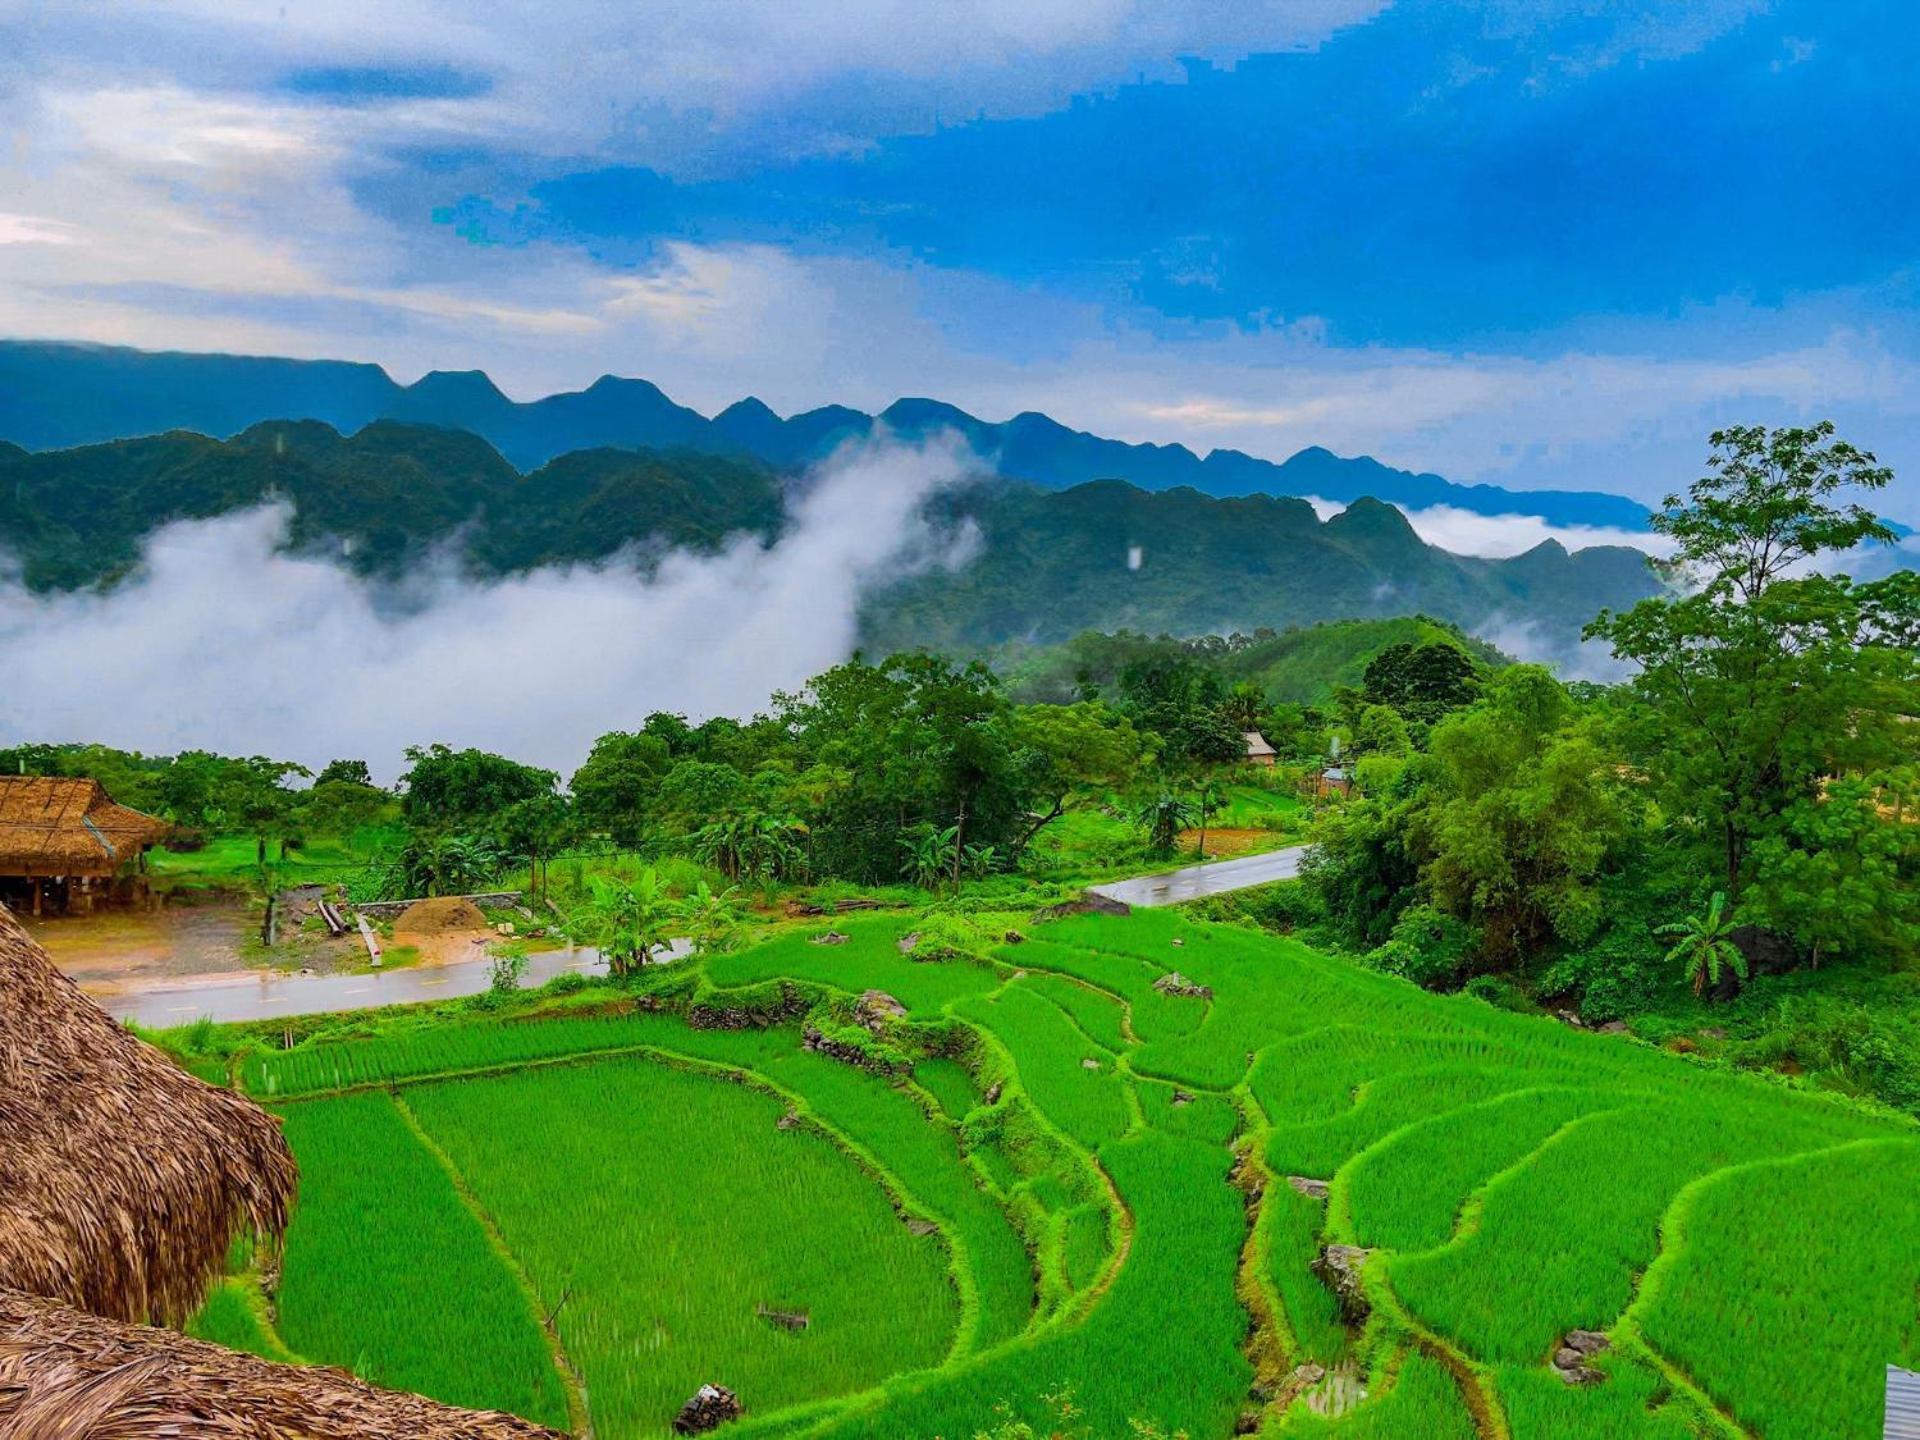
1256 744
122 1181
122 1178
56 826
65 1375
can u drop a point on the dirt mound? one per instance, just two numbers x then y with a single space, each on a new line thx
442 916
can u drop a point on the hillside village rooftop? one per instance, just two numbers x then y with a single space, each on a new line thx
63 842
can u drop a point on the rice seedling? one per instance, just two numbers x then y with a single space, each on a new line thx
950 1083
1630 1405
659 1213
891 1128
869 959
1292 1226
1405 1192
1097 1013
232 1316
441 1050
1161 1346
1069 1078
1787 1286
387 1273
1087 1246
1560 1237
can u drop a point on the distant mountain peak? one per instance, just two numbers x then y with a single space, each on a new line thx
467 384
749 407
54 395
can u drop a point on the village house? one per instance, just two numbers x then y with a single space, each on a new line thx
1336 778
1259 752
64 844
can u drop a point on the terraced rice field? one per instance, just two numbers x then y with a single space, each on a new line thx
1094 1204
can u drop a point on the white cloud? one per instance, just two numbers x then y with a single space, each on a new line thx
1467 532
687 84
156 195
223 641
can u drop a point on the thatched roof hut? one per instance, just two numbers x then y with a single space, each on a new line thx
51 825
65 1375
122 1178
122 1182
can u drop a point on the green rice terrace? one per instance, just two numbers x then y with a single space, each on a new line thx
1139 1175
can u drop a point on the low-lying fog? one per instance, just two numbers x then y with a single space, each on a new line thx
223 642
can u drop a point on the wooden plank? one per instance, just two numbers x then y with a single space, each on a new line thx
373 945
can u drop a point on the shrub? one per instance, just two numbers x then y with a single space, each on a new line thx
946 936
1428 947
1499 992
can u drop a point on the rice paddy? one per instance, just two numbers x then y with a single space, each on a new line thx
1077 1213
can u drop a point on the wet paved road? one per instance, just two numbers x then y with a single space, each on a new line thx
258 995
269 995
1216 877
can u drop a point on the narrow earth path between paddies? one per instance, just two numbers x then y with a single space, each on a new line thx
1113 1176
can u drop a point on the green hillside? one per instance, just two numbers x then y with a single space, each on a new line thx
1105 556
1048 564
382 498
1303 664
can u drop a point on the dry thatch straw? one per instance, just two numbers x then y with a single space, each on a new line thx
122 1178
52 825
69 1376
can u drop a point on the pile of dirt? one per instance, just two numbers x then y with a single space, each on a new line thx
443 916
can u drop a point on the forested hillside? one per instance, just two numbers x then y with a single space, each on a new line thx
1049 564
1303 665
382 498
1109 556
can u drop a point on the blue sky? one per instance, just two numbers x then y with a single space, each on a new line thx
1540 244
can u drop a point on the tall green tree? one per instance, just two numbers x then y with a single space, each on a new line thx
614 787
451 790
1516 816
1765 678
1422 682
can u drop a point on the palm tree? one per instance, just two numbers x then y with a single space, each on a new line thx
1705 946
1207 803
712 918
625 923
750 845
1163 818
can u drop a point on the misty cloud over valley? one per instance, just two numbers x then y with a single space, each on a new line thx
224 641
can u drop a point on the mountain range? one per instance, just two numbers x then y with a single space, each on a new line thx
56 395
1042 564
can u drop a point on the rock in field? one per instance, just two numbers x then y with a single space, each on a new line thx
1338 1267
877 1005
1571 1356
1312 1189
711 1407
1174 983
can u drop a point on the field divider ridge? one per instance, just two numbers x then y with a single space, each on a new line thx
1652 1282
1271 1342
579 1417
